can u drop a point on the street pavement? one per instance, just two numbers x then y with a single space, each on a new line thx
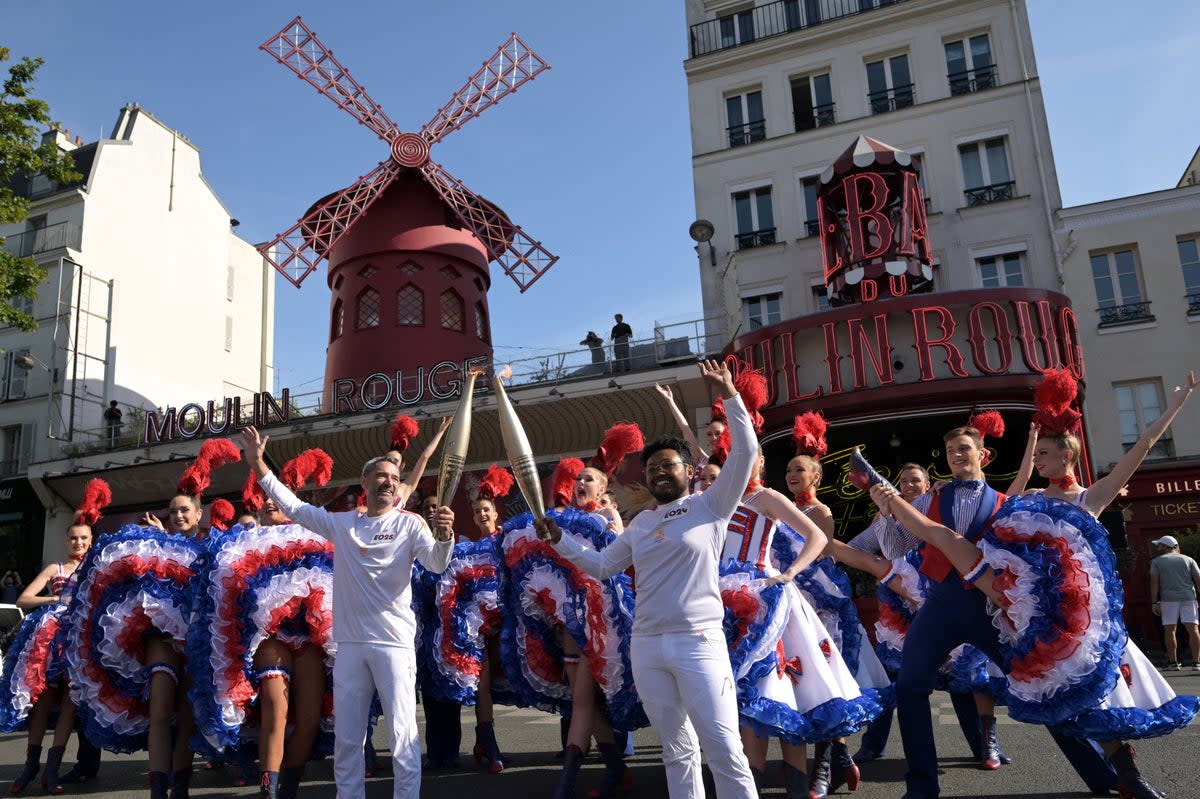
530 738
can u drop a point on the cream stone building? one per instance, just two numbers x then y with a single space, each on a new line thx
151 299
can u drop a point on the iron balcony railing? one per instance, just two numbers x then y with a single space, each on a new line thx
1127 314
997 192
43 239
972 80
1193 301
818 117
755 238
773 19
812 227
748 133
891 99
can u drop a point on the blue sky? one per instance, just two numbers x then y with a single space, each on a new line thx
592 157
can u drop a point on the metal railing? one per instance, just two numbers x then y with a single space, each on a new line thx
1193 302
755 238
812 227
43 239
773 19
819 116
891 99
1127 314
747 133
972 80
997 192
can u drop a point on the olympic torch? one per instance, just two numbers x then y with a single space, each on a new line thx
458 438
516 444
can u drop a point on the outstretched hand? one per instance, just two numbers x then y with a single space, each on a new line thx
717 375
1182 392
547 529
254 447
882 494
665 391
443 523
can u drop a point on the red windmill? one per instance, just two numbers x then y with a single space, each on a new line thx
408 244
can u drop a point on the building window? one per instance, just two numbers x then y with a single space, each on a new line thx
736 28
16 377
1001 271
23 304
969 66
10 450
450 273
452 310
763 310
368 309
410 306
821 299
367 272
1138 405
409 268
808 195
754 217
481 327
812 101
336 320
744 114
1189 262
229 334
889 84
230 280
1119 288
986 178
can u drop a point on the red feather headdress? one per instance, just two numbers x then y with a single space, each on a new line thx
751 387
988 423
214 453
312 464
1053 398
619 440
221 514
721 450
563 480
497 482
404 429
96 497
252 494
808 431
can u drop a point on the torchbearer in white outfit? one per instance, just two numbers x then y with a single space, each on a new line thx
373 622
680 660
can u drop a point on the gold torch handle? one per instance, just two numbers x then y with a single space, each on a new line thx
458 438
520 455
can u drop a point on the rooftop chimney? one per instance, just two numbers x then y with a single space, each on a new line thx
61 138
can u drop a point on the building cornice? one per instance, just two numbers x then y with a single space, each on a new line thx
1129 209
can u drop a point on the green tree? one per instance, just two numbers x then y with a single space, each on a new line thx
23 154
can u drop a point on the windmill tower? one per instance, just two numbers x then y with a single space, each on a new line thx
408 244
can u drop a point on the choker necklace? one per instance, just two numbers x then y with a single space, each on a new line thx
805 498
1063 482
752 486
589 507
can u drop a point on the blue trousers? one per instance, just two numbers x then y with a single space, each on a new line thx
953 615
875 737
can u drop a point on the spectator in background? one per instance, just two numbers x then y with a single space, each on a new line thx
10 587
596 345
112 423
621 333
1174 584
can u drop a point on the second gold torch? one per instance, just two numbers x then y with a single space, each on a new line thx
516 444
458 438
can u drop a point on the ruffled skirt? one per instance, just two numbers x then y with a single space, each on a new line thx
34 660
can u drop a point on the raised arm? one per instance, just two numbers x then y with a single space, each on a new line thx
254 447
1104 490
723 496
1026 471
613 559
685 429
779 508
30 599
418 467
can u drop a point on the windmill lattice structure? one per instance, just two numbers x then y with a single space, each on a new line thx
298 251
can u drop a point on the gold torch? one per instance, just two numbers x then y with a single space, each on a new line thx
458 438
516 444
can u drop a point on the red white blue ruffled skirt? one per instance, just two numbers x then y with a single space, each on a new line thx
134 584
34 660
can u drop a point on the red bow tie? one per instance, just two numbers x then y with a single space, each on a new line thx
1063 482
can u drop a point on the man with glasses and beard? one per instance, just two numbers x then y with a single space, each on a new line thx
678 652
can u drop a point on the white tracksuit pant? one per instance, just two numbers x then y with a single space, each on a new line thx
686 686
358 672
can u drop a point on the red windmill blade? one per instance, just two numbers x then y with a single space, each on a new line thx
298 251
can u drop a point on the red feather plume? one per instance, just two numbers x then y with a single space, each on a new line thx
404 429
221 514
988 423
721 450
214 453
717 410
808 431
563 479
752 387
1053 398
311 464
497 482
252 494
619 440
96 497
